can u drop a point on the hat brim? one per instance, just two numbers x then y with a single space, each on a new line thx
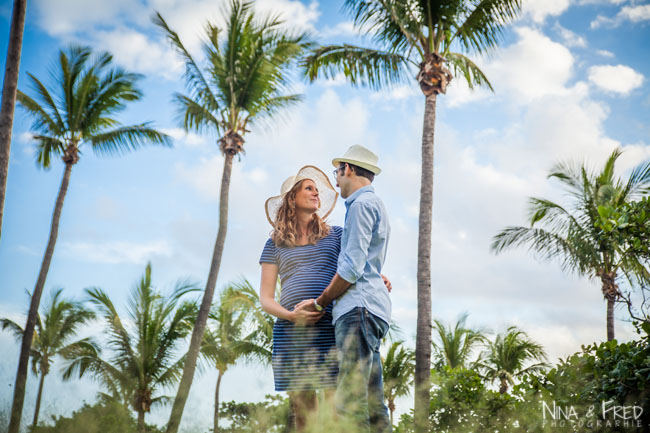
326 192
369 167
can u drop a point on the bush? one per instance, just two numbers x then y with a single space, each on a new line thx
609 373
102 417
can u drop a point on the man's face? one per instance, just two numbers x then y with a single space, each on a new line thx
342 181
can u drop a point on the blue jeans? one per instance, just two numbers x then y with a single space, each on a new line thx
360 391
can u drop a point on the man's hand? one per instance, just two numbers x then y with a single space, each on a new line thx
307 305
303 315
387 283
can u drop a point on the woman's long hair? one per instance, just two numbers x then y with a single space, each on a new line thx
285 231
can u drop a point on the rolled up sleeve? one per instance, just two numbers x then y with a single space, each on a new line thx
360 222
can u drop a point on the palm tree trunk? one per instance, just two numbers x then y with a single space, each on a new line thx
204 310
610 319
9 88
423 331
28 335
391 408
504 386
611 293
216 403
38 400
141 428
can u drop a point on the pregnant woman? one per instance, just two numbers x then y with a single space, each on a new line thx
303 250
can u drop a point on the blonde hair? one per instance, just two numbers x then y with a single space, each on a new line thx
285 230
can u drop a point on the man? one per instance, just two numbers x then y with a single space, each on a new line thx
362 307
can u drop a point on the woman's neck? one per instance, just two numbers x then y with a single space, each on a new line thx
303 218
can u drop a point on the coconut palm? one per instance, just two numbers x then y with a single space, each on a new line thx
58 325
509 357
9 87
398 368
145 348
422 36
77 112
244 82
570 234
455 345
231 336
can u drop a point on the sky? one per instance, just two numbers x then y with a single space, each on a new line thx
570 84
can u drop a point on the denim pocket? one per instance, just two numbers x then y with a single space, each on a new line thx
374 329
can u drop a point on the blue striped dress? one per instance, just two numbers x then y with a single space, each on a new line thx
304 357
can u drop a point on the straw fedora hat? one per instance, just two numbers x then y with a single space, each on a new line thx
326 192
359 156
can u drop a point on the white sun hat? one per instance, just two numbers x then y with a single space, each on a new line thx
326 192
360 156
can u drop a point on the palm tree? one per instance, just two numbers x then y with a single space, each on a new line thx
227 341
145 347
397 368
61 321
508 356
455 345
425 36
10 85
78 113
570 234
244 82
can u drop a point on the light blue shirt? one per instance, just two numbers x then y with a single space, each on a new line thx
363 251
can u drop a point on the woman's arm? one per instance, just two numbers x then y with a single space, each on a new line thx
271 306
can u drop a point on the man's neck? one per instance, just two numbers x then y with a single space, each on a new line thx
358 184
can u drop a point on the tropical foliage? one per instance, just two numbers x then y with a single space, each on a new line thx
424 37
571 234
227 339
77 112
511 355
397 369
245 81
454 346
55 328
145 356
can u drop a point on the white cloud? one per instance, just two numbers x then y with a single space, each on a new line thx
64 17
570 38
538 10
533 67
137 52
189 139
396 93
136 43
616 79
112 252
459 93
344 28
633 14
605 53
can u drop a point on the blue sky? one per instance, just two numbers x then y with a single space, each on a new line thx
571 82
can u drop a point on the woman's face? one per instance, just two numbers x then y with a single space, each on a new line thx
307 197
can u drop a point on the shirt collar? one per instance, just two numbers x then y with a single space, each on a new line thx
357 193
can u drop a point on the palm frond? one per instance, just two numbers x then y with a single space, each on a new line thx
13 327
196 82
392 23
127 138
41 119
46 148
484 26
196 116
638 183
361 66
462 66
